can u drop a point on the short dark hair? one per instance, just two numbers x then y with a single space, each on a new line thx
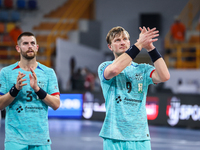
24 34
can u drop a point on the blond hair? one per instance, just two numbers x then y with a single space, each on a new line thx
115 31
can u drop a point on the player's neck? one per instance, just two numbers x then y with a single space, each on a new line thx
27 64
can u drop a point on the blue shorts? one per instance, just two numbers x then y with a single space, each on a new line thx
17 146
110 144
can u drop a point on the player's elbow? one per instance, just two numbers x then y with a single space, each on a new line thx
56 106
166 77
115 71
111 73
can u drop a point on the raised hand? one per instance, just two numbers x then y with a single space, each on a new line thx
33 80
147 37
19 84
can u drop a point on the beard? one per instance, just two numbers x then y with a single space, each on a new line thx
26 56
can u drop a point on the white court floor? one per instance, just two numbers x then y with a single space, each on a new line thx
69 134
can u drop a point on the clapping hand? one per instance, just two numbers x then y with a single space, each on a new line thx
33 81
20 80
147 37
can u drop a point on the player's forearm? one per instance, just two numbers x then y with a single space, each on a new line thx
5 100
162 70
121 62
52 101
117 66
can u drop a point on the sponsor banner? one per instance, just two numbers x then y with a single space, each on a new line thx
183 110
93 106
179 110
70 106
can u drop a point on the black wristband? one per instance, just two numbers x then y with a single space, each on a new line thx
154 54
41 93
133 51
14 91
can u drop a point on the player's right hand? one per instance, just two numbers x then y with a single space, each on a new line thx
19 84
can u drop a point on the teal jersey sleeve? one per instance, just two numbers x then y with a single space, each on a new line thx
149 69
3 89
101 69
125 99
53 83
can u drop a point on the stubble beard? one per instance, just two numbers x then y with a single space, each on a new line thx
26 56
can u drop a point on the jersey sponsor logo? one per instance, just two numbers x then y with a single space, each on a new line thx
33 108
130 101
19 109
127 101
118 98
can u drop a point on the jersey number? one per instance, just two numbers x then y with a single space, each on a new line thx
129 86
29 97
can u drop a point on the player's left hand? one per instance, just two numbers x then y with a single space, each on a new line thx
33 81
151 38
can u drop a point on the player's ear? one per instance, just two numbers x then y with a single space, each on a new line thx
17 48
37 47
109 46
